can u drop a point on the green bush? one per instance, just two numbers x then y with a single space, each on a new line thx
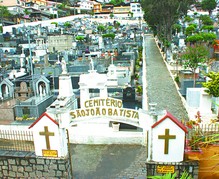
25 116
176 79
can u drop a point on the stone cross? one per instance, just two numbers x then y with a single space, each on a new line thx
166 138
47 134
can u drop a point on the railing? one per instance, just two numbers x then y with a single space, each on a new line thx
206 129
16 140
204 134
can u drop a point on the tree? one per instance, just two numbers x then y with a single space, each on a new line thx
56 23
80 38
111 15
4 12
116 2
208 5
67 25
201 37
206 20
110 35
193 57
161 15
1 29
101 28
194 38
92 13
207 27
116 24
188 19
26 12
109 28
176 28
212 85
130 14
191 29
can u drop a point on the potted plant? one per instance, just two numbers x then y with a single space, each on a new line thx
202 142
185 175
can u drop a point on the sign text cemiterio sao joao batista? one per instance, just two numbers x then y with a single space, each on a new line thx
104 107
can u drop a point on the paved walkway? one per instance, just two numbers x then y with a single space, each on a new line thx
161 87
108 161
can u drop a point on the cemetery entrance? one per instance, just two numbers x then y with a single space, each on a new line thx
105 121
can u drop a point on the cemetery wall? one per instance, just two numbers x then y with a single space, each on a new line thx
30 166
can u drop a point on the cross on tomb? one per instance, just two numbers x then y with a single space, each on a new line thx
47 134
166 138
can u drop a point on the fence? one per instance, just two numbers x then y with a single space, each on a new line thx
16 140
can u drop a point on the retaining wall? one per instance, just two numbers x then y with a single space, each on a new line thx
27 165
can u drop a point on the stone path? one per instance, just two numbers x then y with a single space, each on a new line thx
108 161
160 85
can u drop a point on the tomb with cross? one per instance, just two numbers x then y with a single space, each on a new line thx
166 140
49 139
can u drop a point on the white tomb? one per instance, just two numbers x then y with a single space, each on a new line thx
92 81
65 101
198 100
112 79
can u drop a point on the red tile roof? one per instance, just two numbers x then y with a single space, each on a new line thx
172 118
44 114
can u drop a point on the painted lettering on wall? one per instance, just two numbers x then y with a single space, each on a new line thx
104 107
108 102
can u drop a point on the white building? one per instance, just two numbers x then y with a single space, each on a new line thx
136 9
86 5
